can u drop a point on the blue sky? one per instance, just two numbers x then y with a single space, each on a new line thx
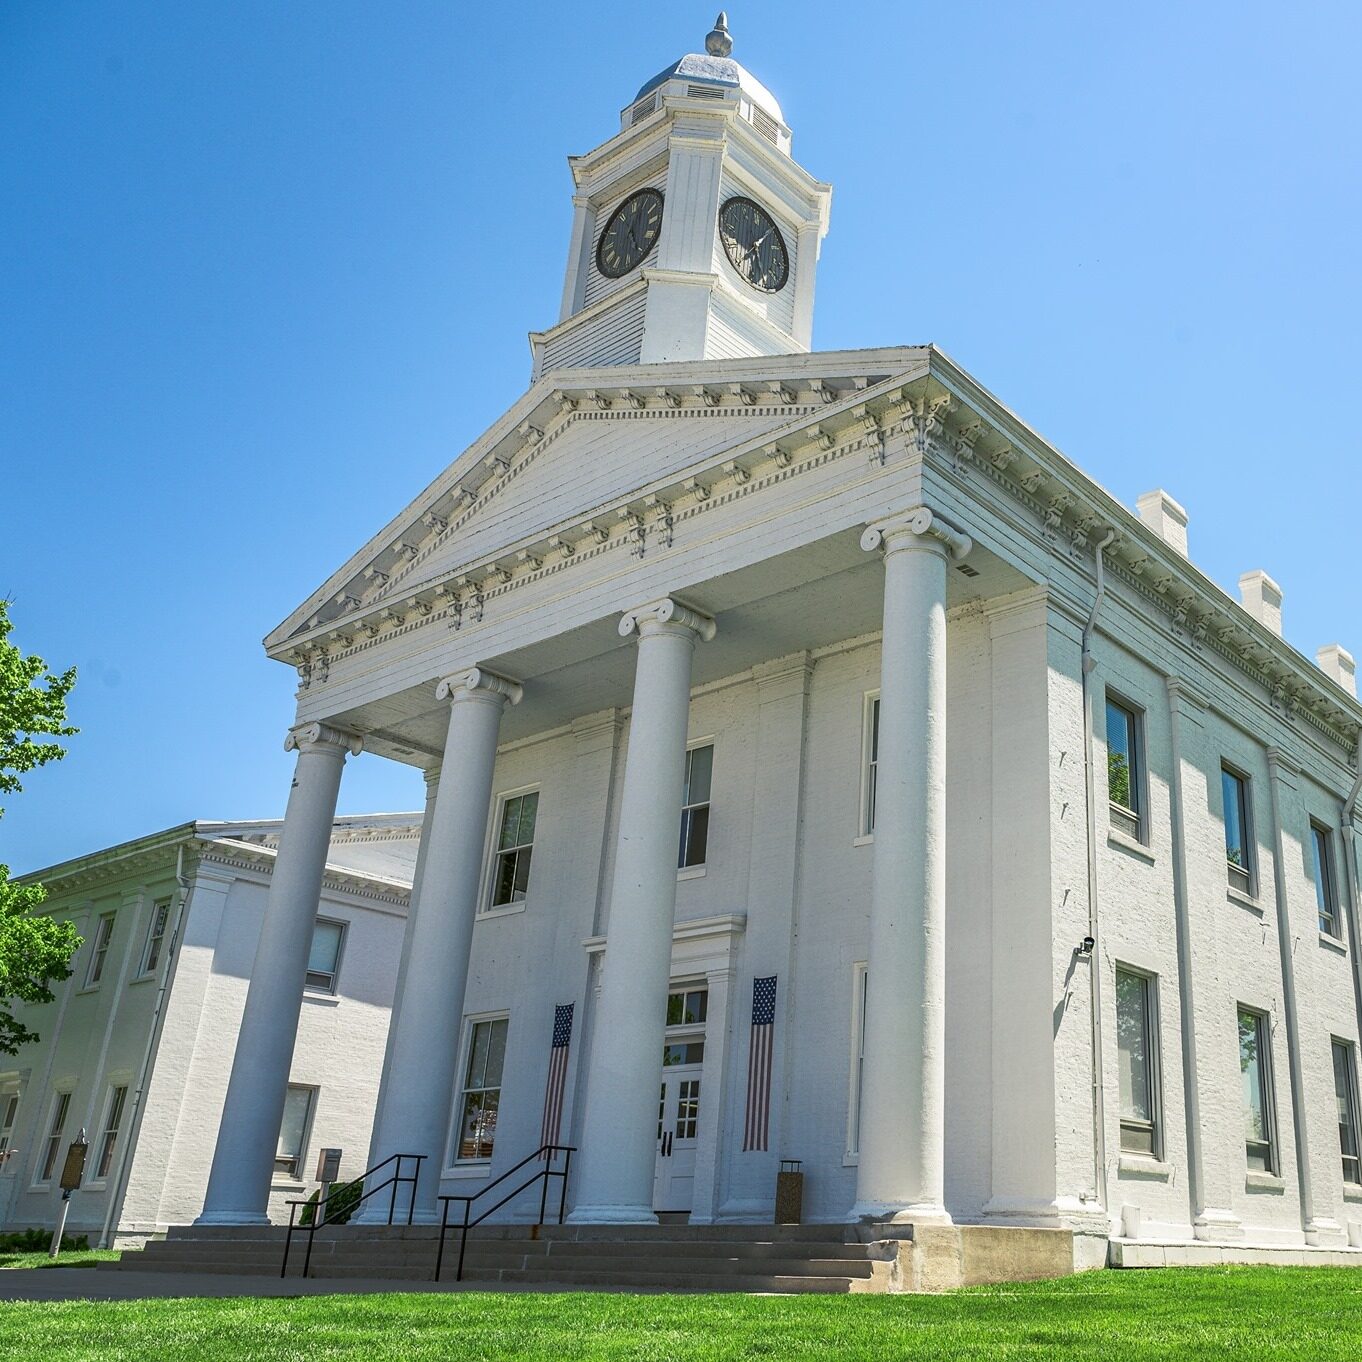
268 266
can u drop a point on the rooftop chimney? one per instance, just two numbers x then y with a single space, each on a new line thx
1337 664
1165 517
1262 598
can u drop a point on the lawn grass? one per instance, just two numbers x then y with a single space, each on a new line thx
67 1258
1220 1313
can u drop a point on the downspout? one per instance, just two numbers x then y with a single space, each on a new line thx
120 1187
1099 1134
1351 872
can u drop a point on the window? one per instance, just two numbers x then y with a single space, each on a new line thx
9 1109
870 757
61 1104
1255 1063
293 1130
687 1010
859 977
1238 829
100 950
156 935
482 1089
695 806
1326 892
1137 1047
113 1118
323 960
515 846
1345 1093
1125 769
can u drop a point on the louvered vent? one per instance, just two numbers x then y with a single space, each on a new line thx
704 92
642 109
766 125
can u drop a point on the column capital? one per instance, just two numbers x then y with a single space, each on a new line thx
475 683
309 737
667 611
920 523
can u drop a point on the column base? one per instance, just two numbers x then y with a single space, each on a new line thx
612 1215
233 1218
1216 1225
898 1213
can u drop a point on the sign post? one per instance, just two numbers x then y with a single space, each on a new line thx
72 1171
328 1172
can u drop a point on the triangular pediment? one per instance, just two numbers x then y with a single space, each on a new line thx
574 446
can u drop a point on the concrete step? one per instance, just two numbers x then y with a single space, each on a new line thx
656 1281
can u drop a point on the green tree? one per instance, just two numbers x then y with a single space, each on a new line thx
35 951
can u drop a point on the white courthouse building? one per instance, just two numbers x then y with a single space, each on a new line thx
137 1045
814 747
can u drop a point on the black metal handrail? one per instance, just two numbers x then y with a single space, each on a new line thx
548 1153
321 1217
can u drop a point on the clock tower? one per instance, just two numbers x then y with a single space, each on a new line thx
695 235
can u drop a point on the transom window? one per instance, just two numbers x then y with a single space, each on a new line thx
61 1104
687 1009
1326 892
100 949
323 960
1125 774
113 1119
1238 830
1345 1094
293 1130
1255 1064
870 759
481 1095
1136 1045
515 846
156 935
695 806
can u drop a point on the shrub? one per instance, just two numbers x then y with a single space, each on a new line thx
341 1206
39 1241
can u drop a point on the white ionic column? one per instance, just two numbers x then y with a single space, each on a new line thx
248 1137
619 1130
901 1173
417 1088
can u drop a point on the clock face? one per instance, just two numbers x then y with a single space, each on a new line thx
630 234
754 245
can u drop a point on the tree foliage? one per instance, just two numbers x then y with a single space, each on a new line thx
35 951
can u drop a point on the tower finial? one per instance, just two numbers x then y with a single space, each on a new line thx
717 41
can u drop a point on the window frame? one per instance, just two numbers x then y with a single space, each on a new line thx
1132 820
49 1152
453 1158
1153 1067
100 942
870 765
1249 870
110 1128
494 852
327 990
860 974
1348 1050
160 915
1326 881
299 1162
9 1121
689 806
1263 1023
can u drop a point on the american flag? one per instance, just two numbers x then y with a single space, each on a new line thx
755 1130
558 1063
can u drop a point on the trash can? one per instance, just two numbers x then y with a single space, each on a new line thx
789 1192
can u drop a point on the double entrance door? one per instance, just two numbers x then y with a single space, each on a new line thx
678 1113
